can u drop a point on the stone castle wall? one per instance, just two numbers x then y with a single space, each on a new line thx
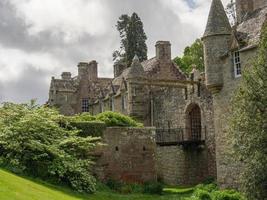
178 165
228 167
129 155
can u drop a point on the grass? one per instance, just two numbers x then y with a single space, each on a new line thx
13 187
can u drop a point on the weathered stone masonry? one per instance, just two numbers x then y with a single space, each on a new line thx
129 155
190 114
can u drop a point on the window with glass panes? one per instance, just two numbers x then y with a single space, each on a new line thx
237 64
85 105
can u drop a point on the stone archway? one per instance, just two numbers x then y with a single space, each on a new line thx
193 122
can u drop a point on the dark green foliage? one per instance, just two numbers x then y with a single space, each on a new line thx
249 124
193 55
125 188
202 194
209 180
89 128
110 119
153 188
207 187
227 195
33 142
116 119
114 185
133 39
212 192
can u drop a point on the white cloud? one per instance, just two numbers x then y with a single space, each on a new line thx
71 17
13 63
70 31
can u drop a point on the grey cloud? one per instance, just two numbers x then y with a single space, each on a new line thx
160 23
32 84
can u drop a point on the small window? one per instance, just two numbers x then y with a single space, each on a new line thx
124 101
198 89
101 106
134 91
85 105
185 94
237 64
111 103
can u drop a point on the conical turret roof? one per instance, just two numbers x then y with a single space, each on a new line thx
136 69
218 23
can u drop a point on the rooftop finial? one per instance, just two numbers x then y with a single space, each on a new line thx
135 59
136 69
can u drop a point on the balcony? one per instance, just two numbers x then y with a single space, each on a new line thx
180 136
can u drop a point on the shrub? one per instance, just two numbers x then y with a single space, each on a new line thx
209 180
202 194
207 187
114 185
153 188
116 119
83 117
248 124
89 128
227 195
34 143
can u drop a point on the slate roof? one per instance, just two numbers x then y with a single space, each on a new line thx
248 32
218 22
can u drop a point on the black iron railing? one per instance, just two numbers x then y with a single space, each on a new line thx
176 136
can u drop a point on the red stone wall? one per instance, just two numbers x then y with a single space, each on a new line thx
128 156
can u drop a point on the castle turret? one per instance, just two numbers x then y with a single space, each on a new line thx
136 93
216 41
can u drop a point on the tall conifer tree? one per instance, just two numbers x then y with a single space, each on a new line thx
133 39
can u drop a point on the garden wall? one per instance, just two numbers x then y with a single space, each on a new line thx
128 156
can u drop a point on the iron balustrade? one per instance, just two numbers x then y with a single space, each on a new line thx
180 136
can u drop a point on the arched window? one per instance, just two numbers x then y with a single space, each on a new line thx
194 122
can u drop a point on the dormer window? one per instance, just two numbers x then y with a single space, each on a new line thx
237 64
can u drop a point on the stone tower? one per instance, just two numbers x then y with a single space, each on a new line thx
245 7
216 42
136 93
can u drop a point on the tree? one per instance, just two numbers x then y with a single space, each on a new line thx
33 142
231 12
193 55
133 39
249 124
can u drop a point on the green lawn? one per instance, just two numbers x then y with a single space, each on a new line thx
13 187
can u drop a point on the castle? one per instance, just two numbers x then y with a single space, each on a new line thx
189 113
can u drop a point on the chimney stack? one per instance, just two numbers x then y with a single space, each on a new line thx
163 51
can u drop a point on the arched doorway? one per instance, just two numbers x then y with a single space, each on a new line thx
194 122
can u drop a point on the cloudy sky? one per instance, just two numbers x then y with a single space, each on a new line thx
42 38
